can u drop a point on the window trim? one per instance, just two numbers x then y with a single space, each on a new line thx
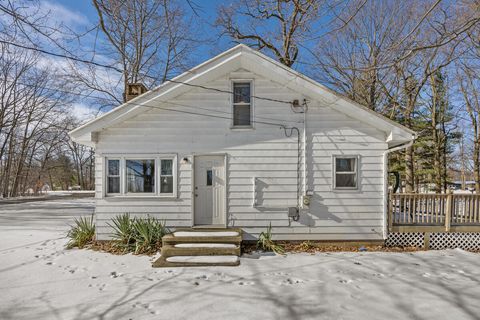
107 175
252 104
123 175
125 180
174 176
356 172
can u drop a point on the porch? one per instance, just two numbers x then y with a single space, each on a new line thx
434 221
414 212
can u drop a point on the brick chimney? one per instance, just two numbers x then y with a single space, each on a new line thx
134 90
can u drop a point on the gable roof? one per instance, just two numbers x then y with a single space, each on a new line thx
242 56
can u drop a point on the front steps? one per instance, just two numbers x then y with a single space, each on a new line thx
200 247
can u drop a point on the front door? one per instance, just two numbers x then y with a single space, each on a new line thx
209 191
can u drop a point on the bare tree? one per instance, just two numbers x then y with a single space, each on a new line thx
150 39
279 27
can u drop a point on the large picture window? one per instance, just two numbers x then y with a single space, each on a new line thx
242 106
141 176
345 172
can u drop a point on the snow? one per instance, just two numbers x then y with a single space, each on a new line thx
205 245
39 279
205 234
203 259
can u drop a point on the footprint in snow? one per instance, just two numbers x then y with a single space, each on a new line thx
290 281
245 283
346 281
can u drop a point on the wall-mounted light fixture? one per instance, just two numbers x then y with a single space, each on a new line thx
185 160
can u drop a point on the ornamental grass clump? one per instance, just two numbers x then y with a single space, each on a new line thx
81 233
266 243
138 235
123 232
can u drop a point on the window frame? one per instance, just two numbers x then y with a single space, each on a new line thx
155 181
174 176
157 175
119 176
355 172
233 104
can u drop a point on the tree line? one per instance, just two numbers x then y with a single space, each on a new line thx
416 62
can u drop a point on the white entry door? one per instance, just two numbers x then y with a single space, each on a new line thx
209 191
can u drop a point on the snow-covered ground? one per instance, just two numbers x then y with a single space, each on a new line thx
39 279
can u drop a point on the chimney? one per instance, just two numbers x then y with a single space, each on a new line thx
134 90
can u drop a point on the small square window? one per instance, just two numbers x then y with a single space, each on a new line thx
346 172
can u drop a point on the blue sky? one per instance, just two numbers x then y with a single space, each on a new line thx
206 10
80 15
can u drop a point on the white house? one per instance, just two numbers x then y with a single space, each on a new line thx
244 141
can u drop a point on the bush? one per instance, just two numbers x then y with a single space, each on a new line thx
148 234
140 235
81 233
266 243
123 231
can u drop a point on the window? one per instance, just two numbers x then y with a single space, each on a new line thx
113 176
166 176
209 177
242 107
140 176
147 175
345 172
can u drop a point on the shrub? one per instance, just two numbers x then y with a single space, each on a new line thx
81 233
123 231
140 235
266 243
148 234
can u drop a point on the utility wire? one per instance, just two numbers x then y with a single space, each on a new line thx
164 102
276 124
59 55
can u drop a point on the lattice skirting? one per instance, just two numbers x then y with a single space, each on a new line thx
405 239
438 240
463 240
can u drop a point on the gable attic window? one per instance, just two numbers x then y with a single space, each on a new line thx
242 104
345 172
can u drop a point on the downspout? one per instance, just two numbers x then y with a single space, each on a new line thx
305 152
385 180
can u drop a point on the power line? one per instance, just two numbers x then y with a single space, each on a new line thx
280 125
164 102
59 55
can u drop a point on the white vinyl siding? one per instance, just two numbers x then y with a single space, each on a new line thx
264 153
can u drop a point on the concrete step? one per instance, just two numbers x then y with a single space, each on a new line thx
232 236
192 247
200 249
196 261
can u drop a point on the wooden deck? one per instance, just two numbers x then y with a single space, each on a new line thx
425 212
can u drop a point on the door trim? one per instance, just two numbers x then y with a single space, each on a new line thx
192 215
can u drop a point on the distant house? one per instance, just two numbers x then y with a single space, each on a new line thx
244 141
